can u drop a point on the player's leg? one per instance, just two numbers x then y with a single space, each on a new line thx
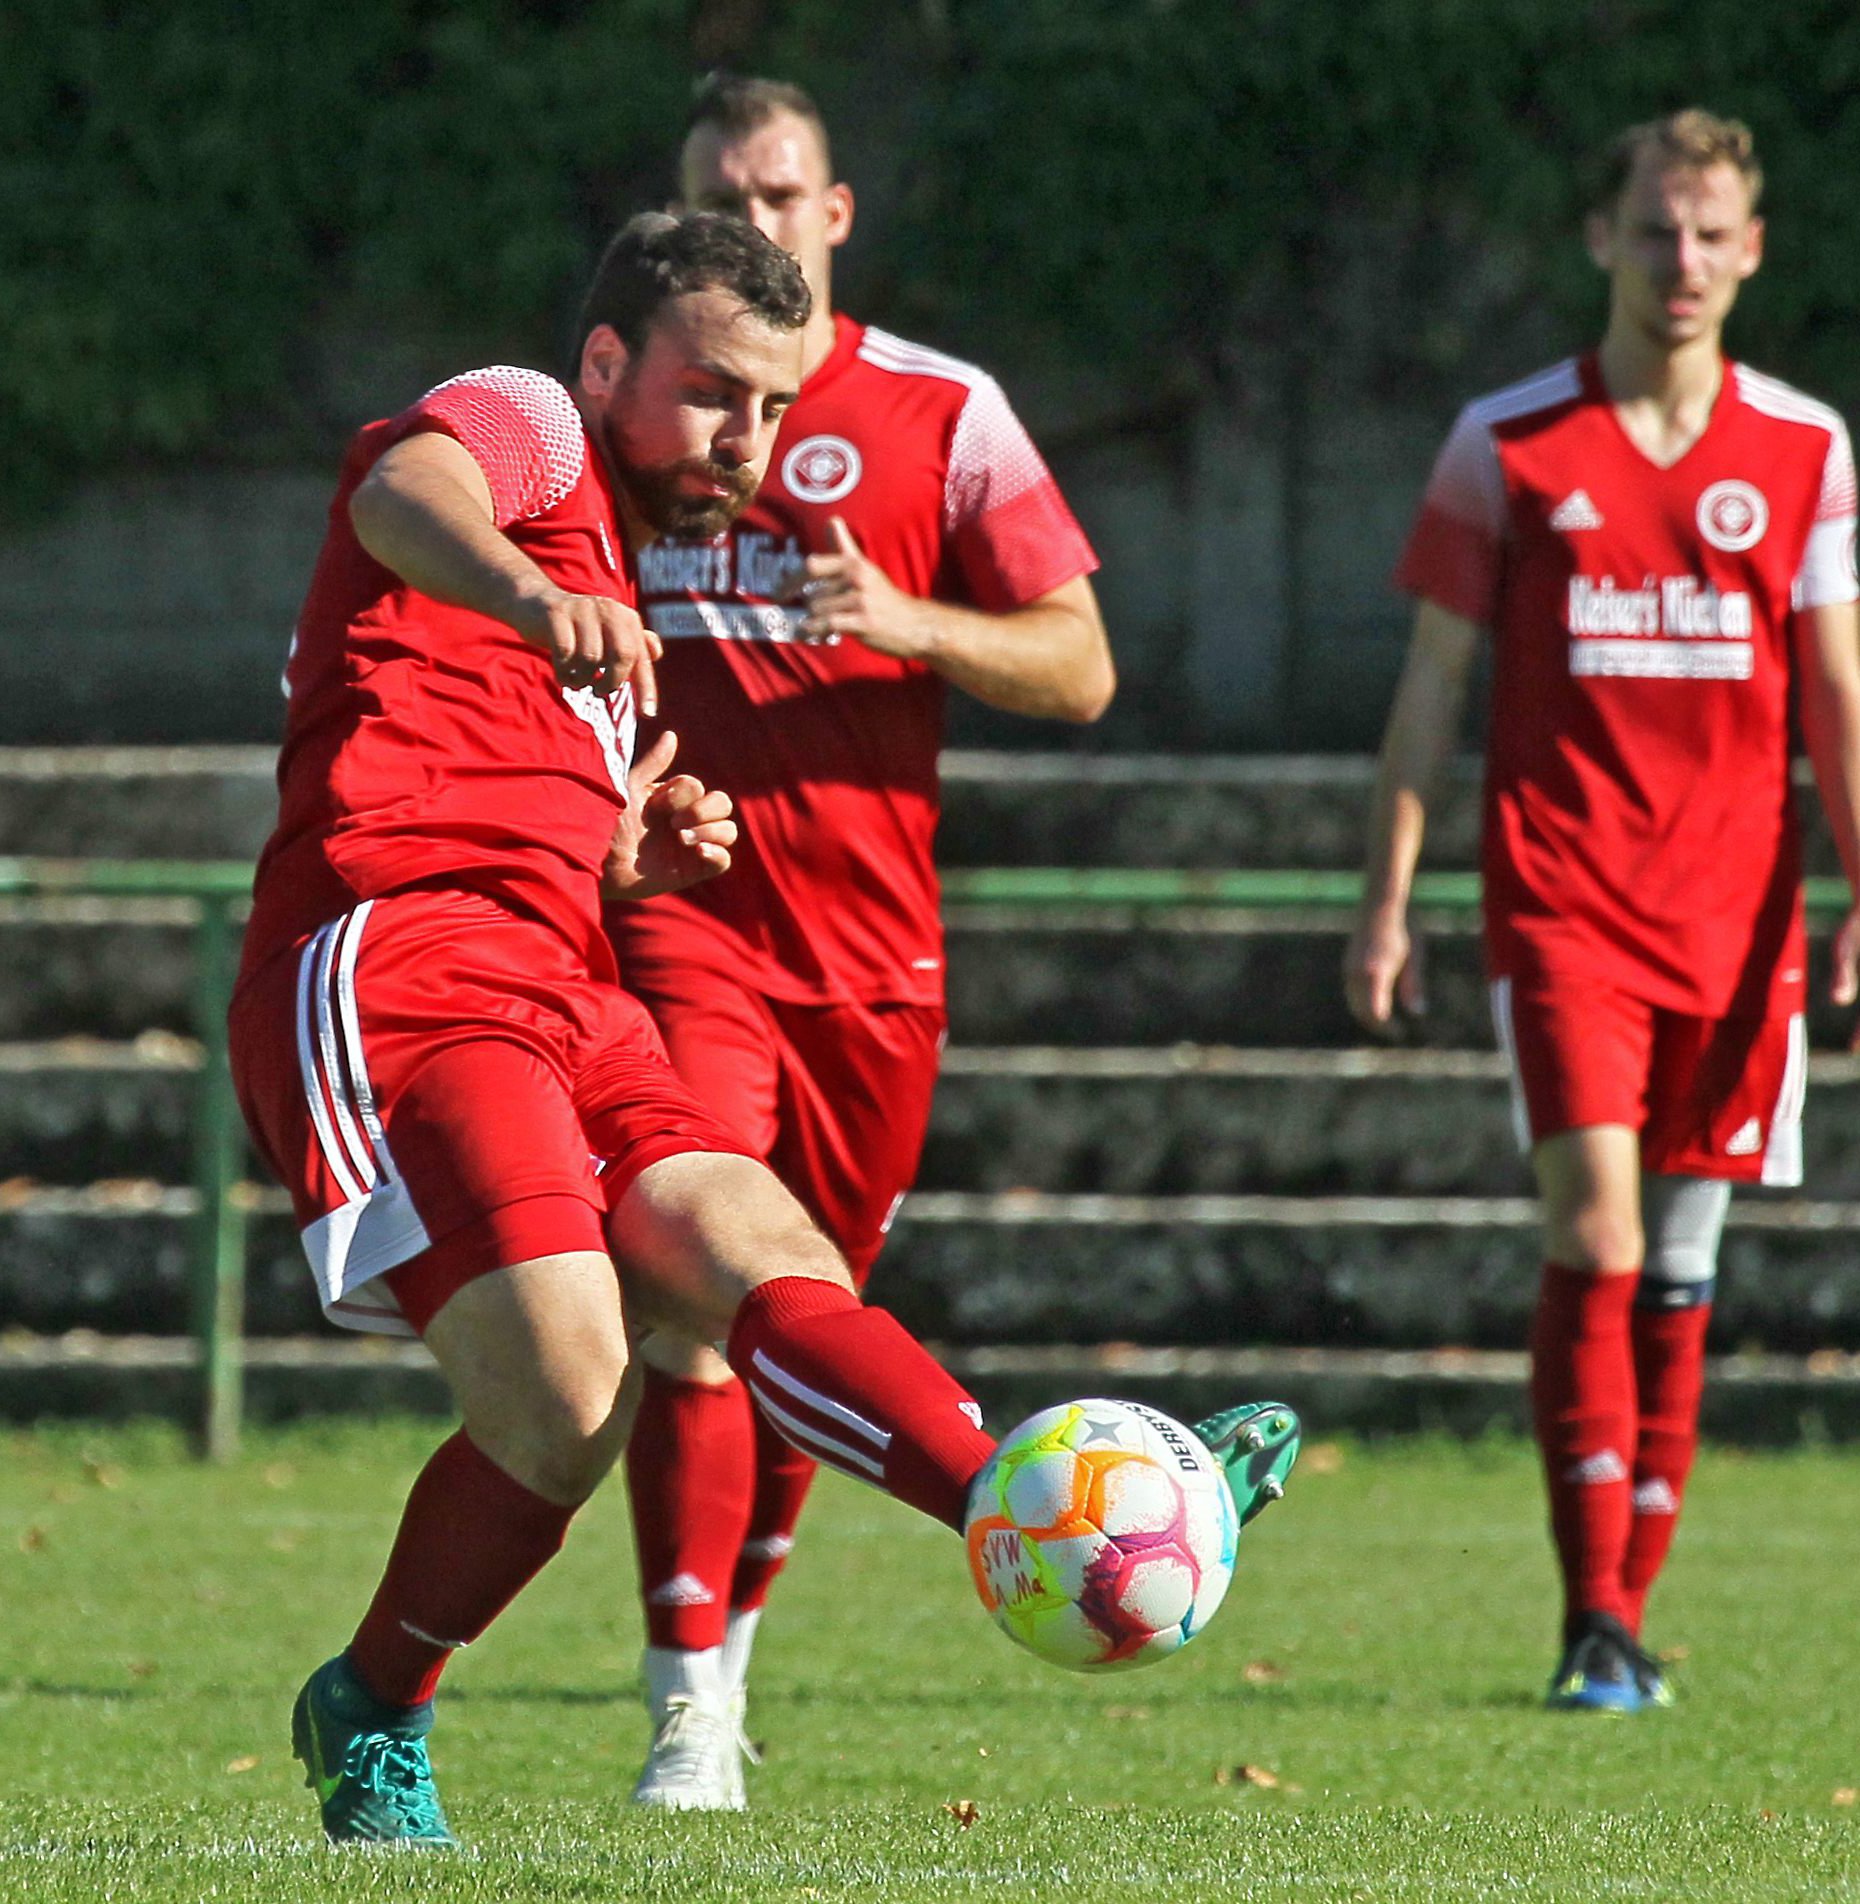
1684 1218
714 1244
1578 1071
691 1461
856 1085
535 1356
441 1179
1725 1105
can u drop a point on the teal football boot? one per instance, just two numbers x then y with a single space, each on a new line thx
367 1762
1256 1445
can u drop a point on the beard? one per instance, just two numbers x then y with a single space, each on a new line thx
668 509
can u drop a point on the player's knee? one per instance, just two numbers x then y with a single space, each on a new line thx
1595 1238
1684 1222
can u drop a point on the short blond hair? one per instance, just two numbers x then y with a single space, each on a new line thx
1691 139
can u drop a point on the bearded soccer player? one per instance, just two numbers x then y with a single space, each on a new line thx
1660 542
908 537
475 1123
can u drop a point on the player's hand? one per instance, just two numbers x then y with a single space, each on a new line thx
593 641
1383 966
1844 965
846 593
674 832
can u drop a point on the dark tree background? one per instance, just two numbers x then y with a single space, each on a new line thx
202 207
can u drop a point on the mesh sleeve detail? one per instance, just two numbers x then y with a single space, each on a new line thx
1014 536
520 427
1454 552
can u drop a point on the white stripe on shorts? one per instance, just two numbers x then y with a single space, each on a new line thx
1508 1044
1782 1156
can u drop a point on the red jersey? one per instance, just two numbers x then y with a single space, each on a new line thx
426 745
829 749
1639 827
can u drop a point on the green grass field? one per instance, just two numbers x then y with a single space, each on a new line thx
1377 1668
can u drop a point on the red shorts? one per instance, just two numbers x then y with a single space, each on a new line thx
445 1090
836 1098
1710 1097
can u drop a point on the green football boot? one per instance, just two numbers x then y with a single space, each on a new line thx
1256 1445
367 1762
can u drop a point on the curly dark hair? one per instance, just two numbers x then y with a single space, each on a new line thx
658 256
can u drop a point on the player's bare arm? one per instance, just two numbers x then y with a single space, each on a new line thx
1827 655
425 511
1382 965
1049 659
674 831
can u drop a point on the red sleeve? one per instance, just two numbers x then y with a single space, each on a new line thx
521 428
1455 551
1014 537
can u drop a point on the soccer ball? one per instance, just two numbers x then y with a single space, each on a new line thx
1101 1535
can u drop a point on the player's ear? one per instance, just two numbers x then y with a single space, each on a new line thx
1753 248
603 361
1598 235
839 213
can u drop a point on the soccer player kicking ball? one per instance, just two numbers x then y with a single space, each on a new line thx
908 537
1661 544
474 1122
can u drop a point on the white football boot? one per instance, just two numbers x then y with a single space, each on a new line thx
695 1761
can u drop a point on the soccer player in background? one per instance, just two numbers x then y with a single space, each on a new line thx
908 537
1659 542
474 1121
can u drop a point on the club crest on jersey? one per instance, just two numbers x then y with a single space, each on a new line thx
821 469
1733 515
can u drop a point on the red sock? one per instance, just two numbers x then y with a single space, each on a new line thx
690 1472
783 1476
1669 1366
848 1386
470 1540
1582 1396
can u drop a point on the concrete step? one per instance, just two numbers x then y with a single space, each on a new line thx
1000 809
1209 1119
1750 1400
112 968
1023 1268
1182 1120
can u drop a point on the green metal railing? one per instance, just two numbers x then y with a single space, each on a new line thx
217 890
216 1280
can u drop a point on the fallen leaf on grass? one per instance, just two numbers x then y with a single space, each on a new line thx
1262 1672
1673 1655
1247 1775
1325 1458
103 1474
143 1669
247 1764
965 1811
981 1751
1845 1795
32 1541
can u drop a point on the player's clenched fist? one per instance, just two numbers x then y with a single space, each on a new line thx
674 832
1382 967
594 641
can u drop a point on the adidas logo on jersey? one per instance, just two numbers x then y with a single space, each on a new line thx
1575 511
683 1589
1597 1470
1655 1497
1746 1140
